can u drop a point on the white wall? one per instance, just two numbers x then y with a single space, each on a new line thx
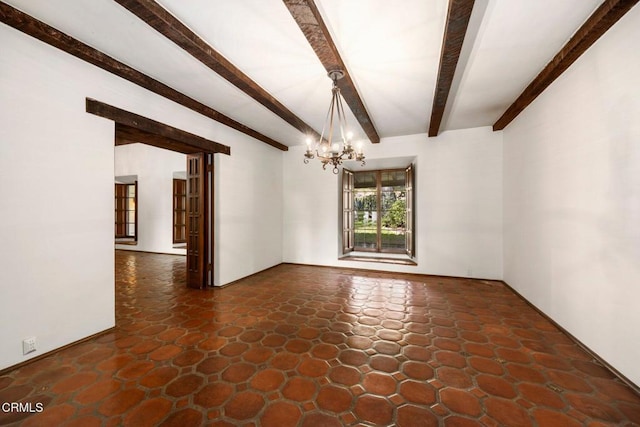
56 167
248 205
572 199
154 168
56 186
458 205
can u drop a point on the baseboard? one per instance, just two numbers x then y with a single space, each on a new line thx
592 353
363 270
52 352
148 252
245 277
371 270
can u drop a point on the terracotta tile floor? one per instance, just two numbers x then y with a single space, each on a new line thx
310 346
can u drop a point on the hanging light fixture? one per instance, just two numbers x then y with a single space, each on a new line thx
329 151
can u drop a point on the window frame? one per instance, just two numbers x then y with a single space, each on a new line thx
348 212
179 211
410 231
122 213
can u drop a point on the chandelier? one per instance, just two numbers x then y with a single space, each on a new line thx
329 151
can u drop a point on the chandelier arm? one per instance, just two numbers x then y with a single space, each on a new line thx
324 127
342 117
333 113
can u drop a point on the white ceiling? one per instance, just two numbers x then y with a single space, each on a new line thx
391 50
516 39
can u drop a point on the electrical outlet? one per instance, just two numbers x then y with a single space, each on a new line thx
28 345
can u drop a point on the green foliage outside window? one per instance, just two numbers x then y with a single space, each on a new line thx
396 216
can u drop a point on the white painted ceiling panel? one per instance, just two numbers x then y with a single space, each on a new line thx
261 38
391 50
110 28
516 40
392 53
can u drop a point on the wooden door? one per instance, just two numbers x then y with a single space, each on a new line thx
197 220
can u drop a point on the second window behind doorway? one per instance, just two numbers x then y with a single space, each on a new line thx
179 210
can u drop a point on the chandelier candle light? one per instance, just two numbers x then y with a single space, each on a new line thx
328 151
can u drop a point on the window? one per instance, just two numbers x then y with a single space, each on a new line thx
126 214
179 211
378 211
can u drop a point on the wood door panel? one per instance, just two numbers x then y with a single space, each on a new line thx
196 220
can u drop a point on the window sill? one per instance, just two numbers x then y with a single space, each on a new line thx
380 258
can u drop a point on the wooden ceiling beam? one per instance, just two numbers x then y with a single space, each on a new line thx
308 18
129 135
169 26
455 30
604 17
134 126
47 34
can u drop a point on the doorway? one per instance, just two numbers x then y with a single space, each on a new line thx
131 128
157 213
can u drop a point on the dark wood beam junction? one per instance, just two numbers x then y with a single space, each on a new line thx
47 34
308 18
169 26
131 128
455 30
128 135
605 16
